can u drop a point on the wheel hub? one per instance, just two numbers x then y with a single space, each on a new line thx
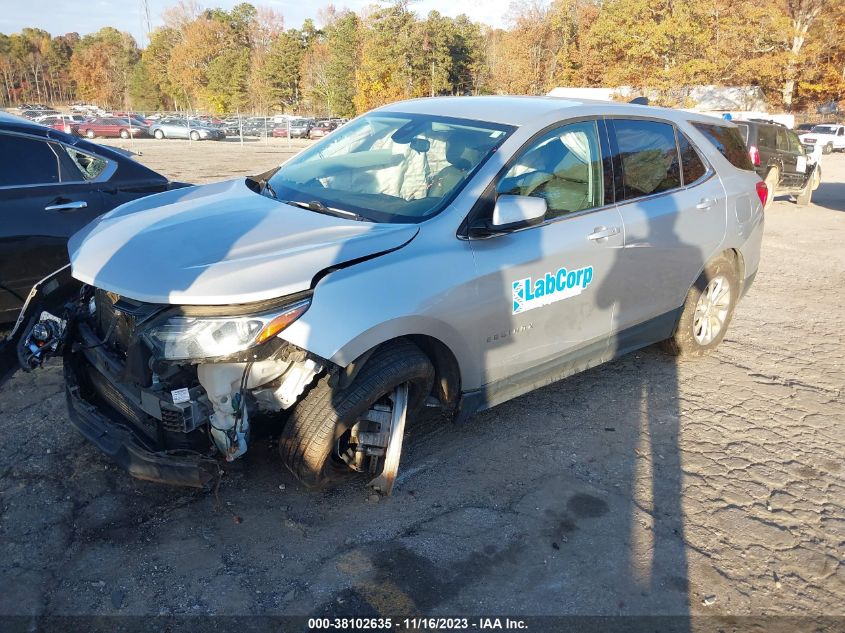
711 310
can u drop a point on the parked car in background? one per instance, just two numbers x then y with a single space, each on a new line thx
173 127
805 127
780 160
84 107
112 127
51 185
33 114
830 136
36 107
258 126
301 128
63 123
322 128
534 238
280 131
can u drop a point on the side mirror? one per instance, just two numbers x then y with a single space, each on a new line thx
516 212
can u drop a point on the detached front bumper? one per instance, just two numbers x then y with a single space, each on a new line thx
128 446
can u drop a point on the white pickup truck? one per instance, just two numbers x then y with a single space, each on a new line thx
829 136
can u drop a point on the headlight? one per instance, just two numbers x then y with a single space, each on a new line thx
186 337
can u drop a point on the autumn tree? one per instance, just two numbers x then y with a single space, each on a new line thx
101 66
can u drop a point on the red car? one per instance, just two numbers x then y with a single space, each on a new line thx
113 127
60 123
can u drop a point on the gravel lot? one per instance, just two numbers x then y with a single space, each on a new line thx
644 486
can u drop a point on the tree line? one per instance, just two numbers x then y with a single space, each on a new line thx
345 63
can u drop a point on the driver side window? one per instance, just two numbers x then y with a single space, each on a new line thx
564 167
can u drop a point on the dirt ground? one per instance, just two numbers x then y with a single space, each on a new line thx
643 486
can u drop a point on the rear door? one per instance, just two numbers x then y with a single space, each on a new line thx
839 139
767 145
789 159
44 199
673 224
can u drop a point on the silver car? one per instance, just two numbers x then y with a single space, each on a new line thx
449 252
172 127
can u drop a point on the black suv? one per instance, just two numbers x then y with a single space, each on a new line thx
780 160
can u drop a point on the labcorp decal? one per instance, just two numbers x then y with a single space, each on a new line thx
563 284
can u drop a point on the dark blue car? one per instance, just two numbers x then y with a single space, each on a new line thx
51 185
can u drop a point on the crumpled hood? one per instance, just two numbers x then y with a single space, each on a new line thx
219 244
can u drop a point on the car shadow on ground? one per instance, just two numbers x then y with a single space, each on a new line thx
830 195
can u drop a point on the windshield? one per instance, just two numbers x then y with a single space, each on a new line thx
824 129
388 166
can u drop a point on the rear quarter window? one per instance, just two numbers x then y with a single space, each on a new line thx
728 141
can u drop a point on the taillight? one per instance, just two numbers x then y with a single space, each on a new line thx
754 153
762 192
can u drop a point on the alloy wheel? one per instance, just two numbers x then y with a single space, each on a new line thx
712 310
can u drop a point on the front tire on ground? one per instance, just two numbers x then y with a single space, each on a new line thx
159 134
195 136
313 441
90 134
707 310
827 149
124 134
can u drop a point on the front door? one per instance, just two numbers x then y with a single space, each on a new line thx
543 303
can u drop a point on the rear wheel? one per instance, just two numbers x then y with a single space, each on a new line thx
89 134
334 433
707 310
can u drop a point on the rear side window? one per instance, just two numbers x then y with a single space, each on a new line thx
692 166
729 143
767 137
28 161
794 143
649 157
743 129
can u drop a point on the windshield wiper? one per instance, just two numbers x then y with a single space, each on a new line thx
319 207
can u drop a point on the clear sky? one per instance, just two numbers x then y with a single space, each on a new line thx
63 16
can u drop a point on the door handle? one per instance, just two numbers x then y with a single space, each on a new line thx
602 233
67 206
706 203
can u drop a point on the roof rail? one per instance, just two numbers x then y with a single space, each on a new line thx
769 121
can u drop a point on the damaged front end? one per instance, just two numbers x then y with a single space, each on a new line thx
162 389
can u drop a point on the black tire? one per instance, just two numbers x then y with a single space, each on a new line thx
683 341
159 134
195 136
89 134
124 134
827 149
308 444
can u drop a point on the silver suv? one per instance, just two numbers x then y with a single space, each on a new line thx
449 252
